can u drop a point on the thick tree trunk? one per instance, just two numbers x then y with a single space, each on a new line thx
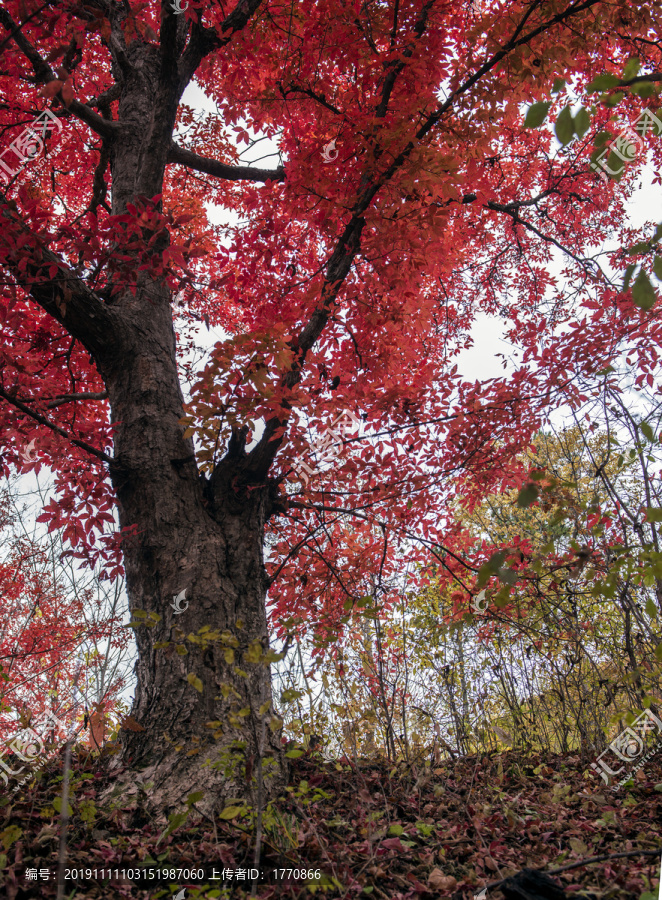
203 685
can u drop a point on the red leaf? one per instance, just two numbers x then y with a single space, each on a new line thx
51 89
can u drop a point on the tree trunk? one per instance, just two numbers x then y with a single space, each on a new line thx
200 694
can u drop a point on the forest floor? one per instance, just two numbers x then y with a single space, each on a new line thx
361 829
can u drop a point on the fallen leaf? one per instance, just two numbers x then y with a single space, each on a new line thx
437 879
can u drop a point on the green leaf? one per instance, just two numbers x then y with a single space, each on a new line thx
657 267
507 576
647 431
348 604
294 754
528 495
601 139
658 653
536 115
230 812
290 694
10 835
651 608
275 723
396 830
628 275
643 292
653 514
194 681
658 788
582 122
631 69
643 89
496 561
57 805
565 127
195 797
559 84
174 822
612 99
491 567
370 612
602 83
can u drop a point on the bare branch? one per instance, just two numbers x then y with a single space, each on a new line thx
217 169
82 395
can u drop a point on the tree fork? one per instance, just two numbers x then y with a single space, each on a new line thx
203 673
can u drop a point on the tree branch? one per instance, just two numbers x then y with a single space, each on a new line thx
511 211
82 395
44 74
25 409
398 65
339 265
205 40
53 285
263 454
107 97
191 160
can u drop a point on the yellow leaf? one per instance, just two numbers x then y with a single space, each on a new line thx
230 812
194 681
254 652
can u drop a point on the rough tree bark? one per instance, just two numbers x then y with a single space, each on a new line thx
200 536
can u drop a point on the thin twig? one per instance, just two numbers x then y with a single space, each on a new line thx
64 812
260 803
587 862
64 820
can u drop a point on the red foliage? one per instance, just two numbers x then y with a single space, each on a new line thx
457 209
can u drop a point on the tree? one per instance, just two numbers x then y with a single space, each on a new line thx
55 621
409 194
